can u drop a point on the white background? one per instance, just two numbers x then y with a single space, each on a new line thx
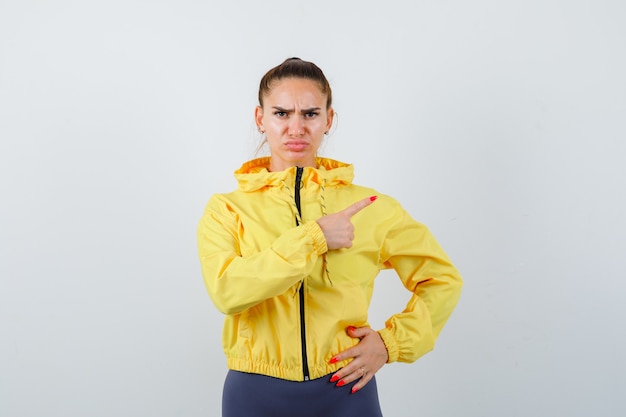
499 124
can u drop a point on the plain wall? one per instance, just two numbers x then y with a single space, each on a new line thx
499 124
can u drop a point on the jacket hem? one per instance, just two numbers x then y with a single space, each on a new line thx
290 374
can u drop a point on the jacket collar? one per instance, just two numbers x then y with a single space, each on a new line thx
254 175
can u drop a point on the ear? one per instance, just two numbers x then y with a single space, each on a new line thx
258 117
330 115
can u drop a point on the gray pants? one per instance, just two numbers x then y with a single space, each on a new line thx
253 395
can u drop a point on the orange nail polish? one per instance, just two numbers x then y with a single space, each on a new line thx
334 378
341 383
351 329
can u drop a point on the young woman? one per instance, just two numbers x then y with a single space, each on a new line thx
290 258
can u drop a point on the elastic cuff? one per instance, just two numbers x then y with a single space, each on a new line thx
319 241
393 350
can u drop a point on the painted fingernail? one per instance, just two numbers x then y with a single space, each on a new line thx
334 378
333 360
341 383
354 389
373 198
351 329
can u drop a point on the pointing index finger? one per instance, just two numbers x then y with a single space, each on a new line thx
359 205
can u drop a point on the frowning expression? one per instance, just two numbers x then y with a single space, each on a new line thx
294 117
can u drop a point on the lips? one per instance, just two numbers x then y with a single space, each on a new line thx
296 145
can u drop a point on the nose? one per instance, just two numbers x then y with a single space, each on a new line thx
296 126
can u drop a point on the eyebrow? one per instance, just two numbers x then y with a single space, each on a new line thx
309 110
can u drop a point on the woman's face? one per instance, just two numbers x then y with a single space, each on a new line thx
294 117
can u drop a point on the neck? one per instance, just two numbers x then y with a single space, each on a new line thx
276 166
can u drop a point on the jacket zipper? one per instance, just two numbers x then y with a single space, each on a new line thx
305 364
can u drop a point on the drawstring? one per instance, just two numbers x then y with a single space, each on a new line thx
323 197
292 199
323 204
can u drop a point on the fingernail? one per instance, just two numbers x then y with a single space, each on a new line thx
373 198
333 360
351 329
341 383
354 389
334 378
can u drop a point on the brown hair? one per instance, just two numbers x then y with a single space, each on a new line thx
295 68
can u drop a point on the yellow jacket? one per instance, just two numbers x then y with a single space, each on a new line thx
287 299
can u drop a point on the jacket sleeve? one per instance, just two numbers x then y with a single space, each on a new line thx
425 270
236 283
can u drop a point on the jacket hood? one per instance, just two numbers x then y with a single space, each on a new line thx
254 175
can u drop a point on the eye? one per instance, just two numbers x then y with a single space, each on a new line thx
311 114
280 113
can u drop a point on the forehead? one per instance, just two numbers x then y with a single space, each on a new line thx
299 89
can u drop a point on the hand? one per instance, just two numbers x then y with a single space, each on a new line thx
338 229
367 358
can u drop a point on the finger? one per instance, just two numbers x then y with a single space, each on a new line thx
349 353
359 332
358 206
348 374
362 382
341 377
